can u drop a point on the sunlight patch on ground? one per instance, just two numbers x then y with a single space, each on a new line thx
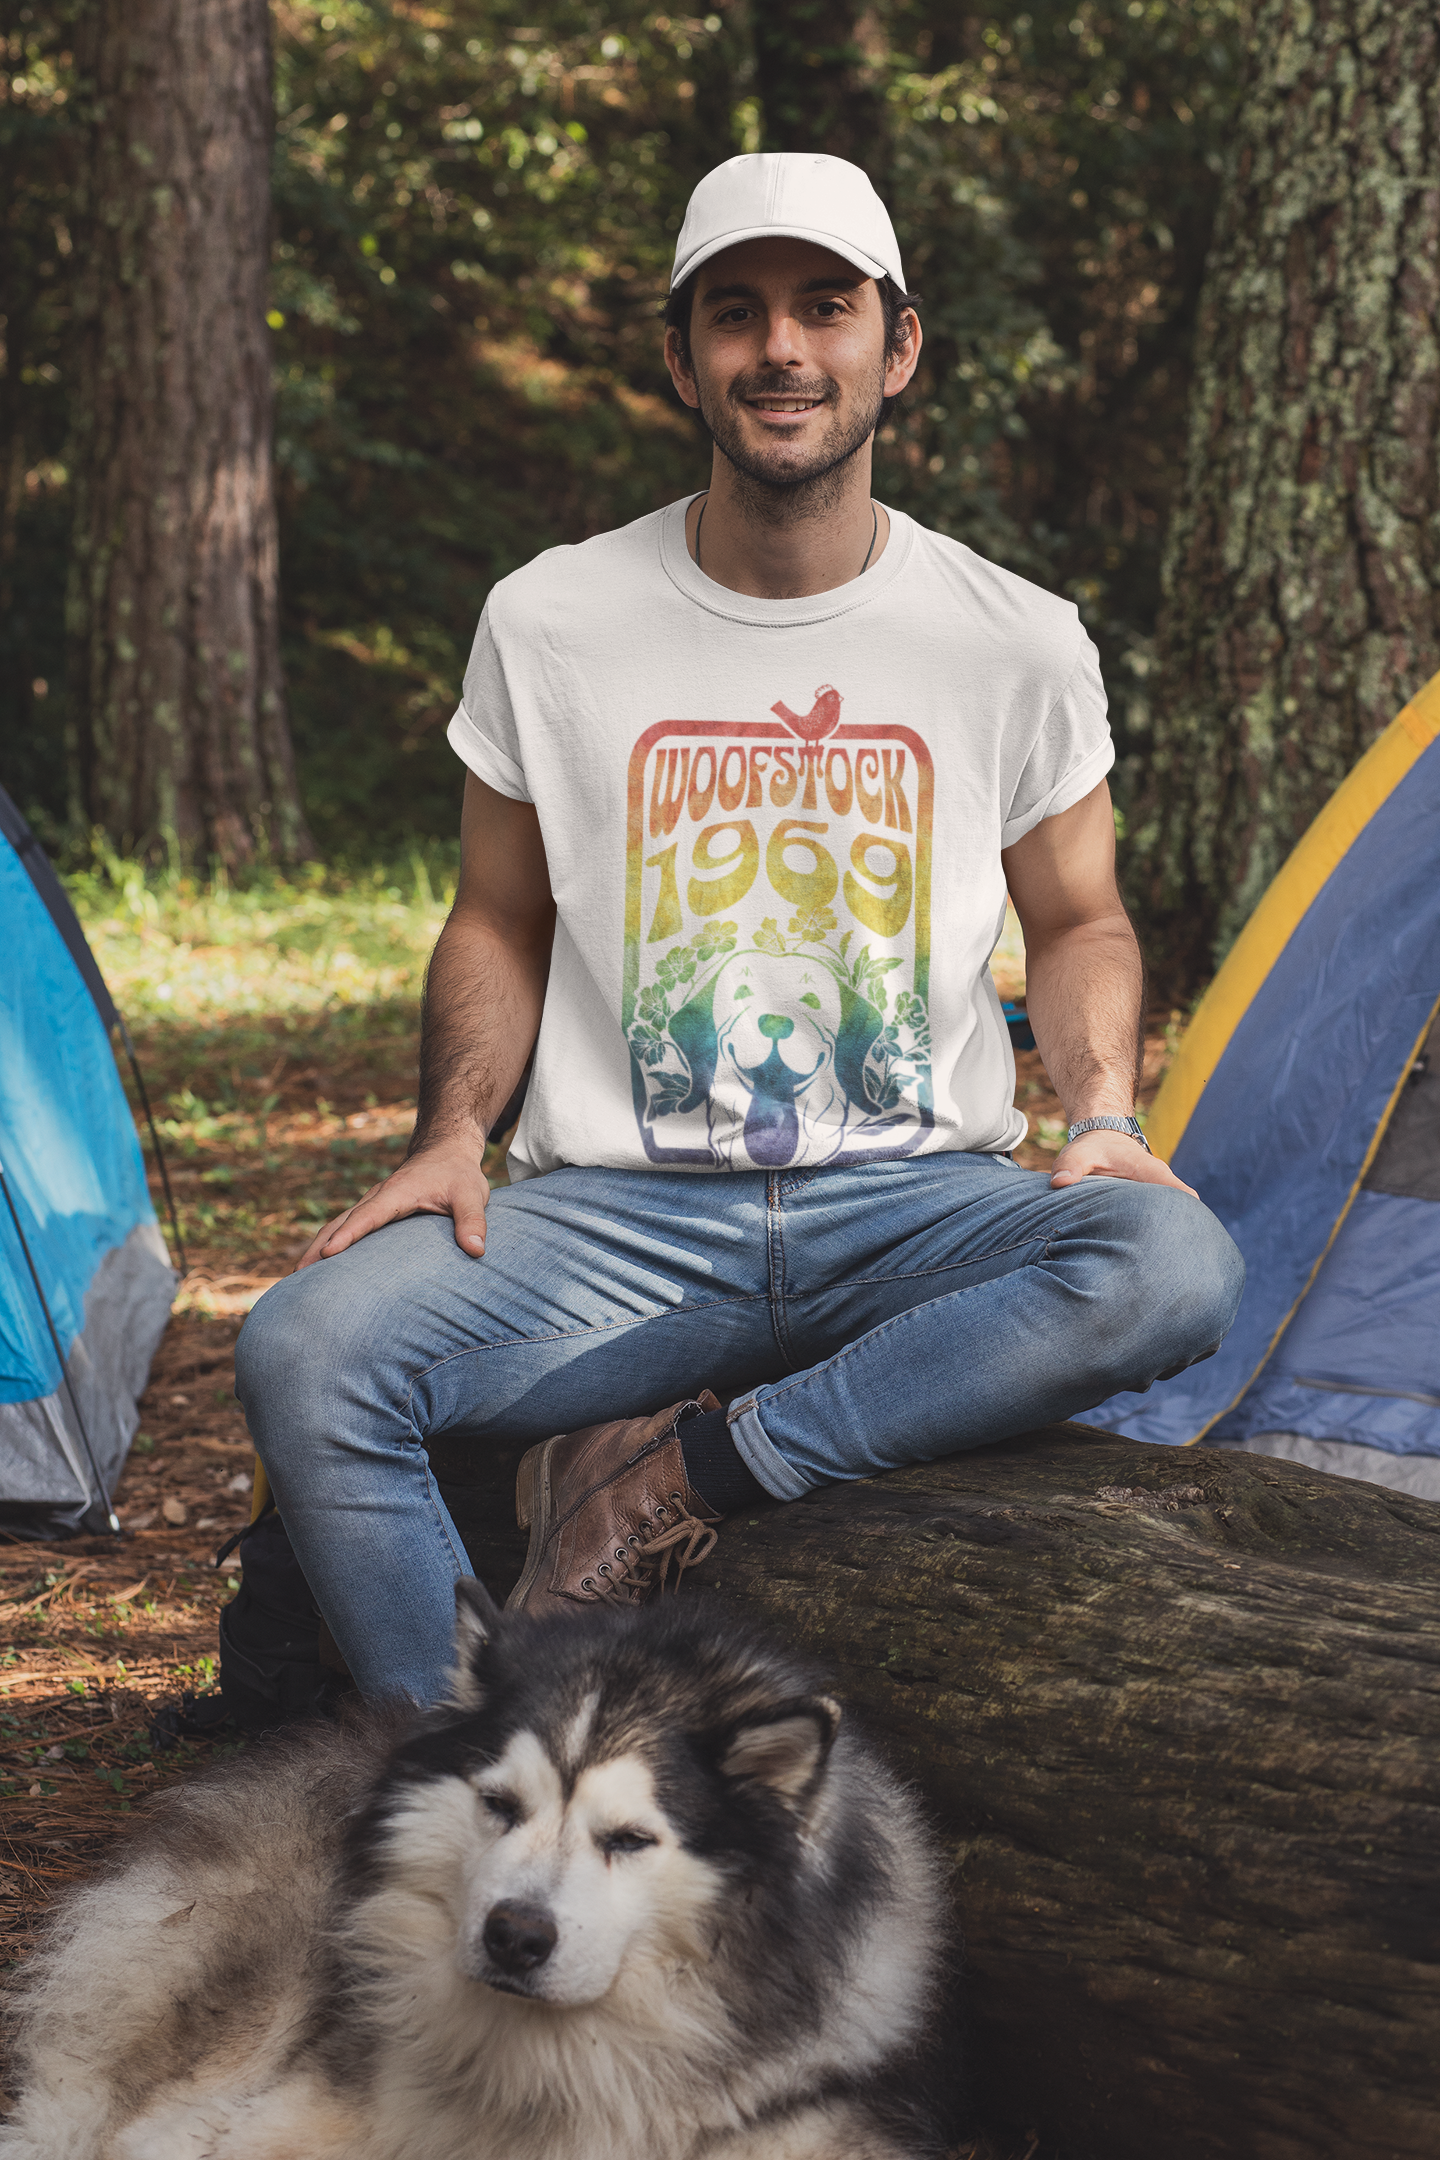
299 942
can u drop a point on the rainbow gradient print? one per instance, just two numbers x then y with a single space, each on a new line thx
777 940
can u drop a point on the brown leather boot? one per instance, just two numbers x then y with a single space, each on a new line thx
609 1513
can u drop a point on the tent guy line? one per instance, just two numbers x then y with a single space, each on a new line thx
164 1168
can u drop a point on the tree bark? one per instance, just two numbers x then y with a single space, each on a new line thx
816 78
173 605
1302 562
1178 1718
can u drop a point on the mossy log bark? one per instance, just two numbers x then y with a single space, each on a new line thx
173 604
1178 1716
1302 572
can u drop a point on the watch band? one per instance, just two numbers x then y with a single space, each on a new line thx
1127 1125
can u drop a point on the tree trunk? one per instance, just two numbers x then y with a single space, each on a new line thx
1303 559
1178 1717
816 76
173 607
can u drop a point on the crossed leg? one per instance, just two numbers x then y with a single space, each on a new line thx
855 1319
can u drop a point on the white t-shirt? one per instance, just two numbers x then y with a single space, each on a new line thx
773 829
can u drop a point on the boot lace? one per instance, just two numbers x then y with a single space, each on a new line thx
643 1564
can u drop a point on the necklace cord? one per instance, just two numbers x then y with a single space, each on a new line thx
874 535
874 532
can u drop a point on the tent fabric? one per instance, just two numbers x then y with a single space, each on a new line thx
1304 1111
1365 1339
1418 1475
41 872
67 1141
75 1177
45 1475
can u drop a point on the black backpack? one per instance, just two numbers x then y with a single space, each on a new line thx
277 1658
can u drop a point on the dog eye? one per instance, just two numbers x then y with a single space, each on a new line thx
624 1841
503 1808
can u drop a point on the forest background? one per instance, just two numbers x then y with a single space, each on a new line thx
472 226
1180 273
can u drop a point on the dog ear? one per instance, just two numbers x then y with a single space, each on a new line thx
476 1618
787 1751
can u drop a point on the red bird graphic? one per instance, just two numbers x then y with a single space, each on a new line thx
822 718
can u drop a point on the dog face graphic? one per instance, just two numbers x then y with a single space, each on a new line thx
777 1024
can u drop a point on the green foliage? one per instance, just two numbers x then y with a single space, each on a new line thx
474 222
1055 175
474 228
268 944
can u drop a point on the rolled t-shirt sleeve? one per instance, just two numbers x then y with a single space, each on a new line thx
1072 752
483 730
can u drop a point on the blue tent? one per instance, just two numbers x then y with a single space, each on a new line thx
85 1281
1304 1107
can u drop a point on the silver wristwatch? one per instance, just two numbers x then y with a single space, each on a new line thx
1128 1125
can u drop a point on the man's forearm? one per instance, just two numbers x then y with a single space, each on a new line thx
484 990
1084 993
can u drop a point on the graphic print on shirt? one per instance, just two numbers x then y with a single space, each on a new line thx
777 939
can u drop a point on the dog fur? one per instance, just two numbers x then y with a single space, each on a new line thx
635 1893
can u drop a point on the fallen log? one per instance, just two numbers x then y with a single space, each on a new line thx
1178 1715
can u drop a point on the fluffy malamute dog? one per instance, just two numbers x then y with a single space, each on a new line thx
635 1894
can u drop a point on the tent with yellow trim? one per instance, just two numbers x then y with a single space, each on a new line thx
1304 1107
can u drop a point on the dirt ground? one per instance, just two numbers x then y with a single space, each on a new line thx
98 1634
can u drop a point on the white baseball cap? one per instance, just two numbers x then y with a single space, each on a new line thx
789 193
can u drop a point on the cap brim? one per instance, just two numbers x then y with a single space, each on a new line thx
831 241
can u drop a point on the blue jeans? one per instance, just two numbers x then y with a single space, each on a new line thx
854 1319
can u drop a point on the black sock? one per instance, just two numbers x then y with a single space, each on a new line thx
714 1467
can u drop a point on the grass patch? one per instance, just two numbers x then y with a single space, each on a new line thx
276 1015
268 945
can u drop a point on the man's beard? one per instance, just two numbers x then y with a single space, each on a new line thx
773 487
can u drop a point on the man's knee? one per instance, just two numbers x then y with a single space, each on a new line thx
1201 1266
282 1341
1176 1277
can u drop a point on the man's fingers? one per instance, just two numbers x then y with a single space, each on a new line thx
1127 1161
315 1249
470 1231
374 1208
468 1196
339 1232
1180 1182
1152 1171
427 1185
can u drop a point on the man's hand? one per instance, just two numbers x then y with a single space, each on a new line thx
1084 985
1113 1154
484 990
445 1178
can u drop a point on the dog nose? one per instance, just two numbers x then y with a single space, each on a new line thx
519 1937
776 1026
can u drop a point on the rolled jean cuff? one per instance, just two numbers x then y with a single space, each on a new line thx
758 1452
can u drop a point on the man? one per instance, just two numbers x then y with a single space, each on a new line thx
747 783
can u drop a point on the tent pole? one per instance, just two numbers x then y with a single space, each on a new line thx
155 1136
104 1497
